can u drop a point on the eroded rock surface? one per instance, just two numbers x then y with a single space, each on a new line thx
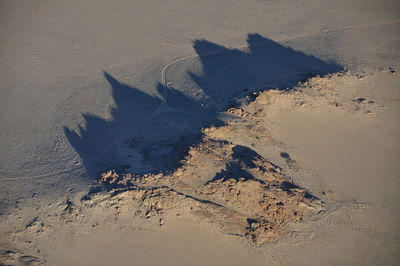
222 183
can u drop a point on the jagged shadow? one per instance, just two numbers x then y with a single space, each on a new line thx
222 75
151 134
145 134
243 157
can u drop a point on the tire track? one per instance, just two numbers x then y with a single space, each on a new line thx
294 37
164 108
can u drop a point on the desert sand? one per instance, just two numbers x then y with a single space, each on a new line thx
200 133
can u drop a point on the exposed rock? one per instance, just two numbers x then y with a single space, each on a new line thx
224 183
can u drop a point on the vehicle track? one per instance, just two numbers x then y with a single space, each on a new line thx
163 106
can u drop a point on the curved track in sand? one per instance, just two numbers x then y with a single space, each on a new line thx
163 108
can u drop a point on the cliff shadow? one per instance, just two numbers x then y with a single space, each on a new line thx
148 134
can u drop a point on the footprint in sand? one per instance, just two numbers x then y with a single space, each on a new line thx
40 13
114 13
130 77
166 40
77 48
35 56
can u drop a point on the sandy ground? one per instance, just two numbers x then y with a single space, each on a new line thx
202 133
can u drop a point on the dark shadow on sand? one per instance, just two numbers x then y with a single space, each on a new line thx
149 134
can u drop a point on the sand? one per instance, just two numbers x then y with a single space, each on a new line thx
201 133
